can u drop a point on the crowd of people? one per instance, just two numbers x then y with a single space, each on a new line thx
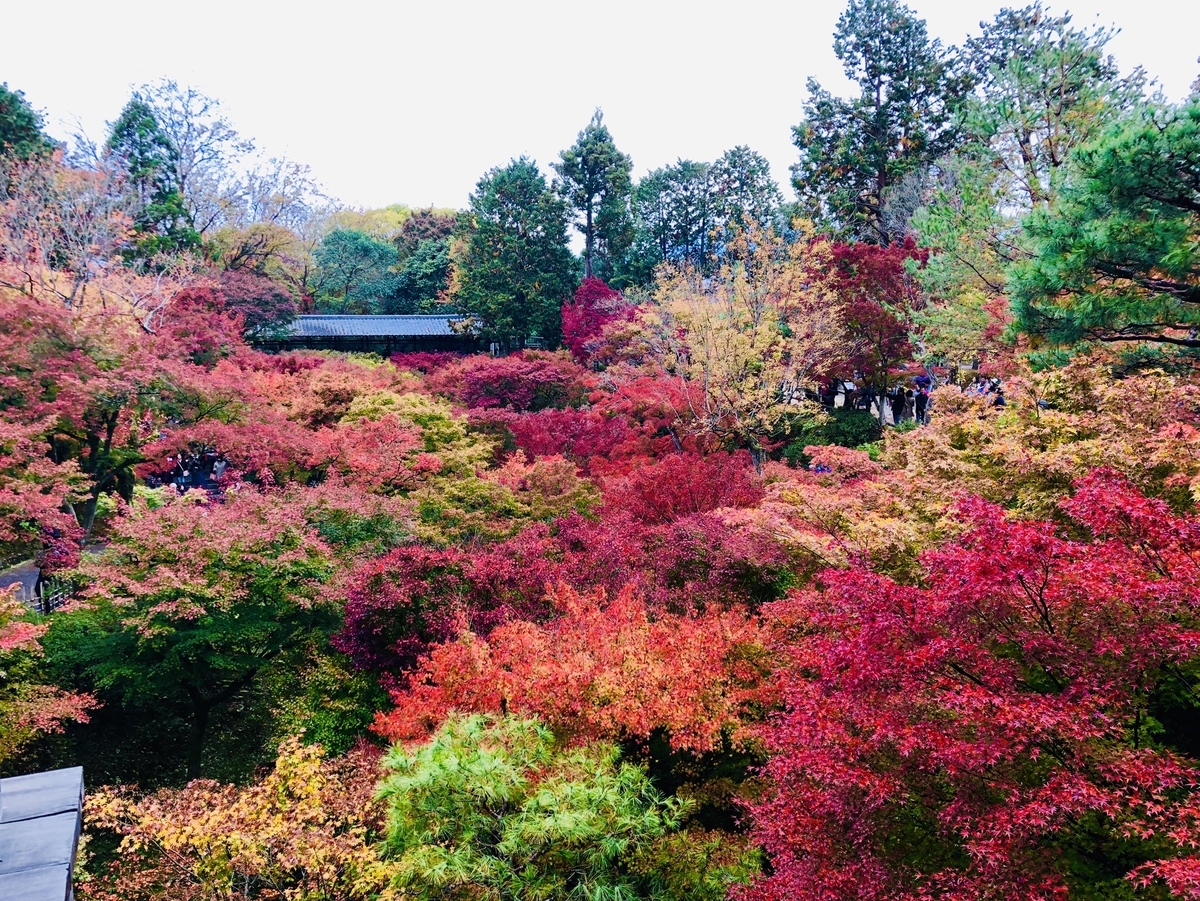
908 403
200 468
901 402
989 389
904 402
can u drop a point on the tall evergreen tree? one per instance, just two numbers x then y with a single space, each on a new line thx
21 133
693 210
516 269
651 206
676 217
687 213
741 180
853 152
595 180
148 156
1044 87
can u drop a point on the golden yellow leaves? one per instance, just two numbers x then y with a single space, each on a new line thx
305 833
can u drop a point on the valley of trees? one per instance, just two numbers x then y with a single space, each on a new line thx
643 610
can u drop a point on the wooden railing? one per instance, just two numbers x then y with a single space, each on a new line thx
54 593
53 596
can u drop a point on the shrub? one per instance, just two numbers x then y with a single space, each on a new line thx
498 808
844 428
523 382
684 484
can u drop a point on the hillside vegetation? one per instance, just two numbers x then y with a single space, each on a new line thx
838 548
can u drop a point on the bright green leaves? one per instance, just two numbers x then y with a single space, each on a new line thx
498 807
1117 259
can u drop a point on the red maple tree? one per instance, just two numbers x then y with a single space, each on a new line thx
1015 726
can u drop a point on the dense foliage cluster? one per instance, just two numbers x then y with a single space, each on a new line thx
666 596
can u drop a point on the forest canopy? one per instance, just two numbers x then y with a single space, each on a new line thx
837 546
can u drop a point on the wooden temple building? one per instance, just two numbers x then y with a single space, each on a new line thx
372 334
40 819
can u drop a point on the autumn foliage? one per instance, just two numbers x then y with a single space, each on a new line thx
879 299
1026 702
29 708
956 663
641 604
684 484
601 669
530 380
306 830
594 306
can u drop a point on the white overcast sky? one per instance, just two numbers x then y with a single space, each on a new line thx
412 102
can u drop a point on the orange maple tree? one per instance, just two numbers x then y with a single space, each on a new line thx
603 669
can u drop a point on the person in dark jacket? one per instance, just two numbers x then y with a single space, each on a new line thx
898 406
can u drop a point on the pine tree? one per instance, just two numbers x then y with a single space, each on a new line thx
1044 88
595 182
1117 258
854 152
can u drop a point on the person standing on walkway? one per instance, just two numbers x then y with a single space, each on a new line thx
898 406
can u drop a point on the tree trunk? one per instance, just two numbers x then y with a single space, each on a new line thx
587 240
757 456
201 708
89 513
199 732
675 440
125 485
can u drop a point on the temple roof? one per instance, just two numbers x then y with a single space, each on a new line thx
373 326
40 817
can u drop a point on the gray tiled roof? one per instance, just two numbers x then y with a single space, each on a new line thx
372 326
39 830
